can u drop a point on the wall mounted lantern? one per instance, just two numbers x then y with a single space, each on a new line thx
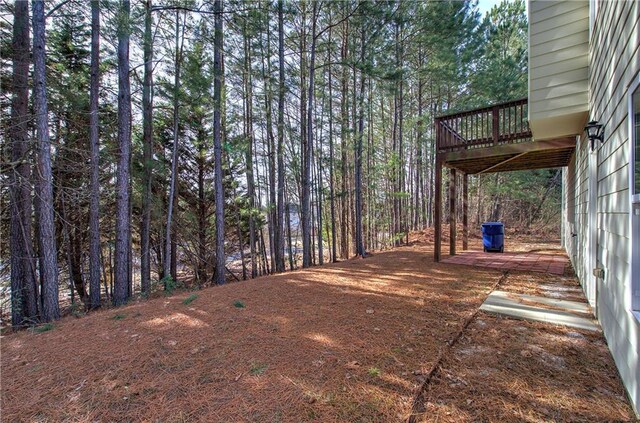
595 131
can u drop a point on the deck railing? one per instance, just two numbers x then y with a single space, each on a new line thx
504 123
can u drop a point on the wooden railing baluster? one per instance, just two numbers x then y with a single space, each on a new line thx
484 127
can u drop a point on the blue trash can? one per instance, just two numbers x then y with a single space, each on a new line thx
493 236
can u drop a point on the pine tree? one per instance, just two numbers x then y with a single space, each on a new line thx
217 144
24 289
94 213
123 211
44 177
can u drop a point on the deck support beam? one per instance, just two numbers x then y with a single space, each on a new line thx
517 156
437 212
455 157
465 212
452 212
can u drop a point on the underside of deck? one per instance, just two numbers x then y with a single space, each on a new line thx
510 157
487 140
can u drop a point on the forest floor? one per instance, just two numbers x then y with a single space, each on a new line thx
351 341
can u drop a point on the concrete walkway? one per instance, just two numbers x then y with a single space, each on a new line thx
540 309
527 262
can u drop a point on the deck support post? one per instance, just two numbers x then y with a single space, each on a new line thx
437 212
495 126
465 212
452 212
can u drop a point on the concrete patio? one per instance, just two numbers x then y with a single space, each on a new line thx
520 261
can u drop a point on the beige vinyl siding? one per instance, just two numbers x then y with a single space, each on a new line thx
582 208
549 9
621 36
616 202
614 63
576 196
558 67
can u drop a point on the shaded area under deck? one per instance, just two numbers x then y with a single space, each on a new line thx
487 140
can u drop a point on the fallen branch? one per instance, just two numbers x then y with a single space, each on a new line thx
232 274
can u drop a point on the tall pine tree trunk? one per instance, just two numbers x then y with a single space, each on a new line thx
344 136
319 196
202 210
123 217
358 155
170 256
419 189
401 169
94 201
334 257
147 155
271 147
24 288
307 138
44 177
279 234
248 139
217 144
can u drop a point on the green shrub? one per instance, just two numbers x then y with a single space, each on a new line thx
238 304
43 328
258 369
77 310
189 299
170 284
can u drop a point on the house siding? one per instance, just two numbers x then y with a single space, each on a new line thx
614 58
558 67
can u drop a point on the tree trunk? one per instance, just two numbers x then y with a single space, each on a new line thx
479 200
104 274
24 287
202 211
44 177
358 156
94 141
73 259
217 144
65 237
334 257
401 170
248 138
307 141
552 184
169 264
130 238
319 196
289 240
344 129
271 147
147 155
419 189
279 234
497 202
123 218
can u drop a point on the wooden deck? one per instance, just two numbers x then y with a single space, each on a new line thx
497 139
491 139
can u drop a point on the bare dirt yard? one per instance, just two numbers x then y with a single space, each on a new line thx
350 342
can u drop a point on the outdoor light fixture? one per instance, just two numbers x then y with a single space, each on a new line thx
595 131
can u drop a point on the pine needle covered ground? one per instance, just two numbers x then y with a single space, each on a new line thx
350 341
